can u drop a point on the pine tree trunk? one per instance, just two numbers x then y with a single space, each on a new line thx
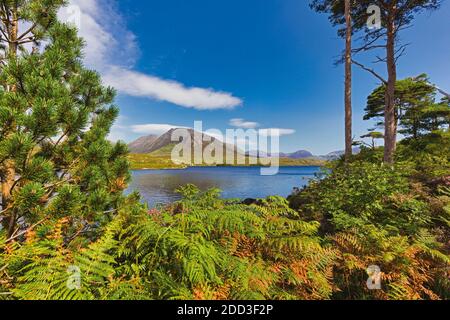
390 112
348 84
9 172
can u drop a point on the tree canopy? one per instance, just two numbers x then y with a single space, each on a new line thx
417 108
55 116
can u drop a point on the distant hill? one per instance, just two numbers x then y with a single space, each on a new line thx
164 144
338 154
301 154
142 145
256 153
155 152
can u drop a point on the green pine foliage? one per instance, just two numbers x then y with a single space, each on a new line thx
418 110
55 117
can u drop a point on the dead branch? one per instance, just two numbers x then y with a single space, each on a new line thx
371 71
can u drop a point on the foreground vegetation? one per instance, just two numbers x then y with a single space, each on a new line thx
317 245
68 232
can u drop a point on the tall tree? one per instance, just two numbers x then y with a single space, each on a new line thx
348 82
345 32
395 16
9 29
55 115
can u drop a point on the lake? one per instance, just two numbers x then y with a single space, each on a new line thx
157 186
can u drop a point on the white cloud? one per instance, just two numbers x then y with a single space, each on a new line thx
141 85
112 50
276 132
108 42
241 123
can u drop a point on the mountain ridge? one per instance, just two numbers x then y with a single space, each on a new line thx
142 144
152 143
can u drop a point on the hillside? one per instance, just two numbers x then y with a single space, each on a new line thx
152 152
143 144
152 143
301 154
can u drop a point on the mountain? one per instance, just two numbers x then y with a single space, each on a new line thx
257 154
301 154
338 154
153 152
335 155
142 145
165 144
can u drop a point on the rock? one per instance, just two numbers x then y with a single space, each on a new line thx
249 201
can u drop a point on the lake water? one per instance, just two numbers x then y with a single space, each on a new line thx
157 186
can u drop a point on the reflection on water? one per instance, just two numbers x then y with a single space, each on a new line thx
157 186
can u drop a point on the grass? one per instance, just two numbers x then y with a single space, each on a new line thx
161 160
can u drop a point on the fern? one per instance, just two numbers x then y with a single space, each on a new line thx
206 248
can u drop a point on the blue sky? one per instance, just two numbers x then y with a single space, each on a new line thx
268 62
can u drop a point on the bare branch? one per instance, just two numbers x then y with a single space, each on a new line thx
443 92
370 71
26 231
400 54
370 43
25 41
368 47
401 51
27 32
380 59
4 34
5 210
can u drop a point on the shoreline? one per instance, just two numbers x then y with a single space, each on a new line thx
164 162
231 166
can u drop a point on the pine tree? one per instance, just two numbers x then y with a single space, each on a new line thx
55 115
416 107
348 81
395 15
346 33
